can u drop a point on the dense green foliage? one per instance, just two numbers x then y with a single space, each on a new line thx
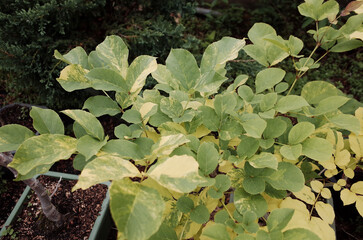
194 159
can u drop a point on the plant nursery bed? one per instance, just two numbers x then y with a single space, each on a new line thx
81 209
10 192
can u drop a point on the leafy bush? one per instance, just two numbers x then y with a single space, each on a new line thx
196 161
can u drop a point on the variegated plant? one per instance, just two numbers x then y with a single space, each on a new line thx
195 161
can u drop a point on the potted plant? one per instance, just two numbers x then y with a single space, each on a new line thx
196 160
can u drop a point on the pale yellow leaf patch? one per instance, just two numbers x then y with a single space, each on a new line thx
306 195
349 173
342 158
342 182
348 197
340 141
201 132
359 205
357 188
146 108
325 211
234 142
225 166
322 229
355 143
330 136
326 193
356 35
209 139
336 187
209 103
272 203
297 205
330 164
316 186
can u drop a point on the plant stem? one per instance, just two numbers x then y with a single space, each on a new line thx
182 233
230 215
49 209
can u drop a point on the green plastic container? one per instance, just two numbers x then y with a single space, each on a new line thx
101 226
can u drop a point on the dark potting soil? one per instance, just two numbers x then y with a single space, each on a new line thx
16 114
81 209
10 192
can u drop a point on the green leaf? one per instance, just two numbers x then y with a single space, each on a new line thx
266 143
183 68
279 218
133 205
200 214
318 149
254 126
268 101
215 231
87 121
41 150
222 184
105 168
329 104
101 105
106 80
268 78
185 204
291 152
300 234
347 45
37 170
218 53
89 146
139 69
209 83
76 56
210 118
275 128
257 53
254 185
318 10
132 116
208 157
246 202
315 91
178 173
291 102
263 160
12 136
247 147
80 161
171 107
163 76
347 122
246 93
287 177
281 87
166 145
300 132
224 103
165 232
111 53
73 78
46 121
295 45
124 148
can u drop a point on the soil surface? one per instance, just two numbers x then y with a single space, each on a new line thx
81 209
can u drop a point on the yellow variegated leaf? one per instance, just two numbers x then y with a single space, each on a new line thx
210 203
342 158
330 164
326 193
297 205
357 188
342 182
348 197
359 205
359 115
349 173
336 187
330 136
355 143
330 173
278 157
316 186
306 195
201 132
272 203
209 103
152 135
325 211
340 141
322 229
146 108
225 166
191 104
190 229
234 142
